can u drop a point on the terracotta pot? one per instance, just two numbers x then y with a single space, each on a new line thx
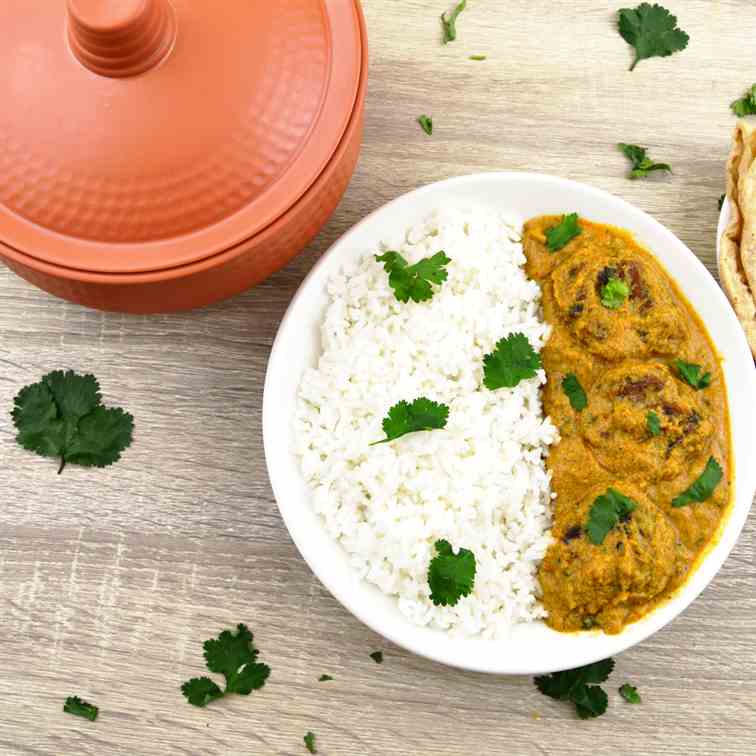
181 264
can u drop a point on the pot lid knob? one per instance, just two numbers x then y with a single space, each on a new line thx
118 38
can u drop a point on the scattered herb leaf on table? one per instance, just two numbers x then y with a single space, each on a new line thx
63 416
642 165
580 686
235 657
606 513
513 360
652 30
377 657
450 576
703 486
426 124
479 57
74 705
414 281
449 22
324 678
309 741
575 392
564 232
411 417
630 693
746 105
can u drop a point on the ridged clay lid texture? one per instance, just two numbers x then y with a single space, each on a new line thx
139 135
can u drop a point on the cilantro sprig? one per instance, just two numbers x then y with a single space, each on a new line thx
614 293
309 741
564 232
693 374
630 693
74 705
745 105
575 392
450 576
642 165
606 513
653 423
579 686
414 281
702 487
234 656
512 360
449 22
411 417
63 416
652 30
377 657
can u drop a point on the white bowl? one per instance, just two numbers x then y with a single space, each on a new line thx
532 648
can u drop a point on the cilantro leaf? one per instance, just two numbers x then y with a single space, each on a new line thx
721 201
377 657
580 686
513 360
575 393
653 423
74 705
641 164
234 656
414 281
630 693
564 232
420 415
450 576
746 105
200 691
652 30
606 512
63 416
702 487
324 678
426 124
692 374
449 22
479 57
614 293
309 741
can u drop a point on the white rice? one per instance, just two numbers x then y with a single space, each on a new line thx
481 482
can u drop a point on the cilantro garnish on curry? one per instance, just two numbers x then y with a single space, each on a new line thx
642 471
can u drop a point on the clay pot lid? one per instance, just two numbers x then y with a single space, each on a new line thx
139 135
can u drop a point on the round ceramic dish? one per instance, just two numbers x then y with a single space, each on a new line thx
189 136
532 648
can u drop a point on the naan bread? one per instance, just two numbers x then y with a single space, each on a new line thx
737 257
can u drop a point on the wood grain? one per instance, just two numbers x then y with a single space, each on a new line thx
110 581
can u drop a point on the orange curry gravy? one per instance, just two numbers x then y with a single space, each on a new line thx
624 359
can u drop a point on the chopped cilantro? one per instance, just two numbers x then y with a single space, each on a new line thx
564 232
235 657
614 293
580 686
693 374
575 393
479 57
63 416
653 423
377 657
513 360
721 201
606 513
449 22
450 576
703 486
74 705
324 678
746 105
420 415
630 693
652 30
414 281
426 124
309 741
641 164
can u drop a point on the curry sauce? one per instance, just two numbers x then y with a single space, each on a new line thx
624 358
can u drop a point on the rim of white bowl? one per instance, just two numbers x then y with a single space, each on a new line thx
360 598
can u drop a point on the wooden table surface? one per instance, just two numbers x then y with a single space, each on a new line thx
110 580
